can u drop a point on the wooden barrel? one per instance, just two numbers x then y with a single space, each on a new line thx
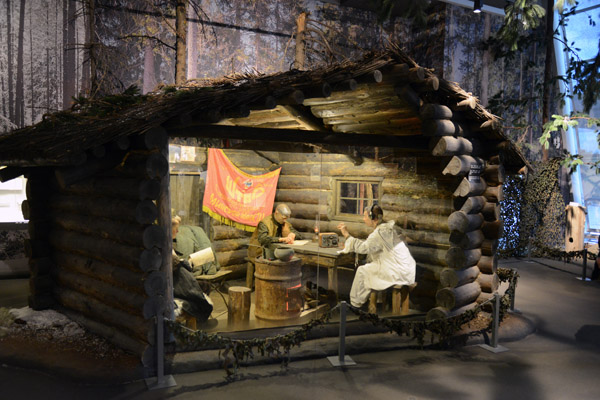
278 284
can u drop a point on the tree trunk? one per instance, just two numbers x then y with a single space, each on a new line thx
181 42
9 63
69 78
192 45
300 56
20 94
548 64
149 78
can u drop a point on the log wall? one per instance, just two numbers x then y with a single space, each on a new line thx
96 249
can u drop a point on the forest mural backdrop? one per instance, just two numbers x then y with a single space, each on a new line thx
45 47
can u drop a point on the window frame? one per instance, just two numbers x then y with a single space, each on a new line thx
337 181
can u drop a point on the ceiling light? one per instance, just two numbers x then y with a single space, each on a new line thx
477 6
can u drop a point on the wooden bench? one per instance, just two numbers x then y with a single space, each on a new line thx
400 299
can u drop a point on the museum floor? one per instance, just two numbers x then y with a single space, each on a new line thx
560 360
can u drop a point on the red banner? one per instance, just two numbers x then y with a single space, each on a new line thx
235 197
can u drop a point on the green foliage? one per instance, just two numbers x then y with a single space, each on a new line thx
415 10
521 17
563 122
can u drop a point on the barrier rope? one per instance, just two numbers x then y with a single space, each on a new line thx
279 346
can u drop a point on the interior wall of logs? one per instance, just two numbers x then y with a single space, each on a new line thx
449 216
96 247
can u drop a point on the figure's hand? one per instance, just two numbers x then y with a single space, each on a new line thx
342 228
289 239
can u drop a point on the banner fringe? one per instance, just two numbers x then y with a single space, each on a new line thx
227 221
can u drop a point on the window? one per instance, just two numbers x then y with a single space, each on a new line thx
352 195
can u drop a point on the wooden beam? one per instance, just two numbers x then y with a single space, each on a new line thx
296 136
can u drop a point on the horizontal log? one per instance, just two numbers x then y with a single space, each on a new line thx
148 236
439 240
115 336
459 259
491 211
230 244
307 211
403 203
488 264
224 232
143 212
435 111
409 96
342 169
302 196
468 188
417 188
494 194
232 257
450 146
356 229
467 240
428 255
250 159
425 288
492 229
489 247
443 313
128 280
453 278
489 282
123 188
113 296
154 305
463 222
452 298
494 174
414 221
106 250
131 325
429 84
375 76
462 164
428 272
67 176
421 304
301 183
442 127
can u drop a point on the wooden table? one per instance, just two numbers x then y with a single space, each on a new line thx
328 257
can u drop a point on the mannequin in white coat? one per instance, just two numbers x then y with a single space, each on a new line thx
390 262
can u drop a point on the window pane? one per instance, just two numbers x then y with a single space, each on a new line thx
347 189
583 34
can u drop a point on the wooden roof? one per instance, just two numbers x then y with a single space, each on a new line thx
377 101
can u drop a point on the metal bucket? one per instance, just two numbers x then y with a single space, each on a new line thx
278 287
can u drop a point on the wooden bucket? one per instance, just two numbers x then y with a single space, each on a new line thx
278 287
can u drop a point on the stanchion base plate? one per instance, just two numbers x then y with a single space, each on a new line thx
336 362
497 349
166 382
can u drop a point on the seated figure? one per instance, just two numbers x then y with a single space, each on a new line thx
189 240
187 292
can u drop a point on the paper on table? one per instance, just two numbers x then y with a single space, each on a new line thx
300 242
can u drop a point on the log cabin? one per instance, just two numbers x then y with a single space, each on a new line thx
100 186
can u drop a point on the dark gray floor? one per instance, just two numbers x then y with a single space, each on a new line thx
549 364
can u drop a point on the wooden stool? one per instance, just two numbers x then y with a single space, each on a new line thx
239 305
214 281
400 298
